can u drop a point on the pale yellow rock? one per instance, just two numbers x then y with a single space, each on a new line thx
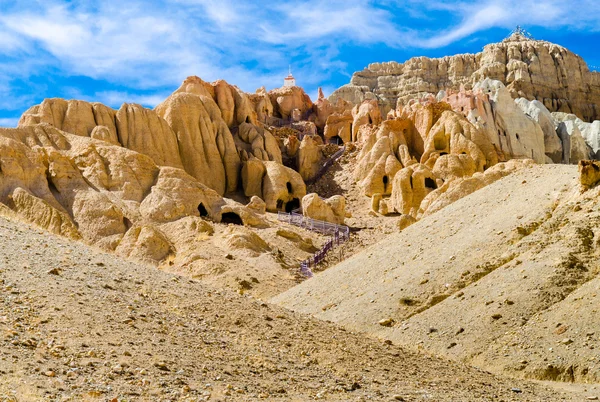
453 190
176 195
309 156
575 148
238 214
257 205
411 185
144 243
375 201
532 69
367 113
253 171
143 131
383 208
262 105
331 210
292 145
405 221
41 213
236 106
286 99
324 109
73 116
589 173
379 158
206 145
338 126
451 135
241 240
257 141
283 188
448 167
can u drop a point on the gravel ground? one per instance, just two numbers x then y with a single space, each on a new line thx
78 324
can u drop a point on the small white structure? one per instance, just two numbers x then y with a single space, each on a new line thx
289 81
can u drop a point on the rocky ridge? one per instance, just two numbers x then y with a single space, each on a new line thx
531 69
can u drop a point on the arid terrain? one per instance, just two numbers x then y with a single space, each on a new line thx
80 324
169 254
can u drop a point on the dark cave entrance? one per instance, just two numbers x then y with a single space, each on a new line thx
288 185
202 210
293 204
336 139
430 183
231 217
386 180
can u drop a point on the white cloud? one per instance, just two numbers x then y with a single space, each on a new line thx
551 14
141 46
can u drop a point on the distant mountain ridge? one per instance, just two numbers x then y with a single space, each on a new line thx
532 69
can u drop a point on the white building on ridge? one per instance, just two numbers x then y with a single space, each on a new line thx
289 81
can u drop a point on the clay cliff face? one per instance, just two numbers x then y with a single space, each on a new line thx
531 69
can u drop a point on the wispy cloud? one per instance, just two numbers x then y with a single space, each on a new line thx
141 50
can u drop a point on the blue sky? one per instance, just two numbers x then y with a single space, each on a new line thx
140 51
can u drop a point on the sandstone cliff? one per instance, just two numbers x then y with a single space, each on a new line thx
530 69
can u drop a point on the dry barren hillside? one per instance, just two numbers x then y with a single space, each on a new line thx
505 279
78 324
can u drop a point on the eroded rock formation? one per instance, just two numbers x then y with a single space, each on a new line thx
532 69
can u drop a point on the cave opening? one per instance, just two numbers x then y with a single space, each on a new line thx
248 119
430 183
231 217
202 210
288 185
293 204
370 120
336 139
386 180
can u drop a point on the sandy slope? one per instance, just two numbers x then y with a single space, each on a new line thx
486 280
78 324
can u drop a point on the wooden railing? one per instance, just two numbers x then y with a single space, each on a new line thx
339 234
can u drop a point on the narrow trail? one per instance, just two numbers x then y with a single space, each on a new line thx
339 234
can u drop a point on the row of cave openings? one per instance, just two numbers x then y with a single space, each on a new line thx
233 218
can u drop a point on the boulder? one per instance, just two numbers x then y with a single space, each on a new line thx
589 173
144 243
331 210
257 205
